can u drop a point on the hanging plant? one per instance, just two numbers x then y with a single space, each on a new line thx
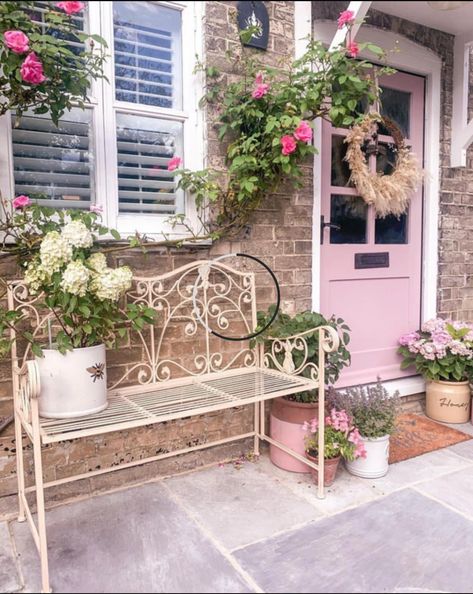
389 194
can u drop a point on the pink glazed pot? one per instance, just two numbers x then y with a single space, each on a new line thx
287 418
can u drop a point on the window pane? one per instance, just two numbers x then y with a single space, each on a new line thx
391 229
79 21
54 164
396 105
386 158
147 46
350 213
340 169
145 145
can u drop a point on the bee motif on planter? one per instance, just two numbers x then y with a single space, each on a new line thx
97 371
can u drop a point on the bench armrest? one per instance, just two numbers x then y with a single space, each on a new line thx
329 341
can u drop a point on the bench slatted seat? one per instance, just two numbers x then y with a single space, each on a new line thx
202 375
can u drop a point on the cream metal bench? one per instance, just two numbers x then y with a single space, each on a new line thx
162 388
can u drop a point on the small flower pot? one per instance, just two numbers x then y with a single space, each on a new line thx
74 384
376 463
286 420
448 402
330 469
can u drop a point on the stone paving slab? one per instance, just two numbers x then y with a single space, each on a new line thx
404 542
9 579
136 540
455 489
242 506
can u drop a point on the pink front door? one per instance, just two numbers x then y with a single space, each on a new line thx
371 267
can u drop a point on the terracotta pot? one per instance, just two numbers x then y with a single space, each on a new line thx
448 402
330 469
286 420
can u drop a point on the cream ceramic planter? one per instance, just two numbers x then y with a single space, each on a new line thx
376 463
74 384
448 402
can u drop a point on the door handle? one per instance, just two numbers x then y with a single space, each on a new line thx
324 225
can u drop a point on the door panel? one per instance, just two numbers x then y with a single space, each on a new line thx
381 299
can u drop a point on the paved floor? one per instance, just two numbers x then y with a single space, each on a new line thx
259 529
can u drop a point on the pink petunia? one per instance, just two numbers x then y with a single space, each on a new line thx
260 91
71 7
17 41
353 49
95 208
289 145
259 78
174 163
21 201
347 17
303 132
32 70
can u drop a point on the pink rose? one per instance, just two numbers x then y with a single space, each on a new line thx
21 201
32 70
17 41
71 7
259 78
260 91
303 132
289 145
347 17
174 163
96 209
353 49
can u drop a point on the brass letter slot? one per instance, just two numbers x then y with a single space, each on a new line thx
373 260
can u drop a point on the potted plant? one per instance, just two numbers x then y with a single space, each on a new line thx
442 351
290 412
342 440
68 277
374 412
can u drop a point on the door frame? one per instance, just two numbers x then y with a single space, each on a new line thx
415 59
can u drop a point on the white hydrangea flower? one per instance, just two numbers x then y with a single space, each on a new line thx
97 262
75 278
35 276
112 283
77 235
54 252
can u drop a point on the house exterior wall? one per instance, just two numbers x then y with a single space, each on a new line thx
280 231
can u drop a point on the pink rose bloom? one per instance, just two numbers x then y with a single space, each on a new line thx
260 91
17 41
71 7
303 132
96 209
259 78
353 49
174 163
32 70
21 201
289 145
347 17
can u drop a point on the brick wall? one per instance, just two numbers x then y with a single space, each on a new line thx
280 231
455 290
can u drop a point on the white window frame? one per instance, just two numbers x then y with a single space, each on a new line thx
104 108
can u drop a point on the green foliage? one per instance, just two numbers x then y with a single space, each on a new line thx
285 326
372 408
321 84
336 444
68 71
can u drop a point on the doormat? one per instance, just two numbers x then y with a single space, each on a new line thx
418 435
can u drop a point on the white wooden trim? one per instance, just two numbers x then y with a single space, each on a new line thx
359 10
462 131
302 27
417 59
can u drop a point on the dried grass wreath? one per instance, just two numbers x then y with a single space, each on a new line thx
389 194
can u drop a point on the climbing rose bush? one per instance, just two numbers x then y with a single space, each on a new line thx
40 69
440 350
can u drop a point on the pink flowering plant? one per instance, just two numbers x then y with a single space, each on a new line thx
440 350
342 438
46 68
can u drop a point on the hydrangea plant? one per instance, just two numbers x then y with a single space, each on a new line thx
440 350
70 277
342 438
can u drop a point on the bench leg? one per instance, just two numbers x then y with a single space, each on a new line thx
20 467
257 429
39 484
